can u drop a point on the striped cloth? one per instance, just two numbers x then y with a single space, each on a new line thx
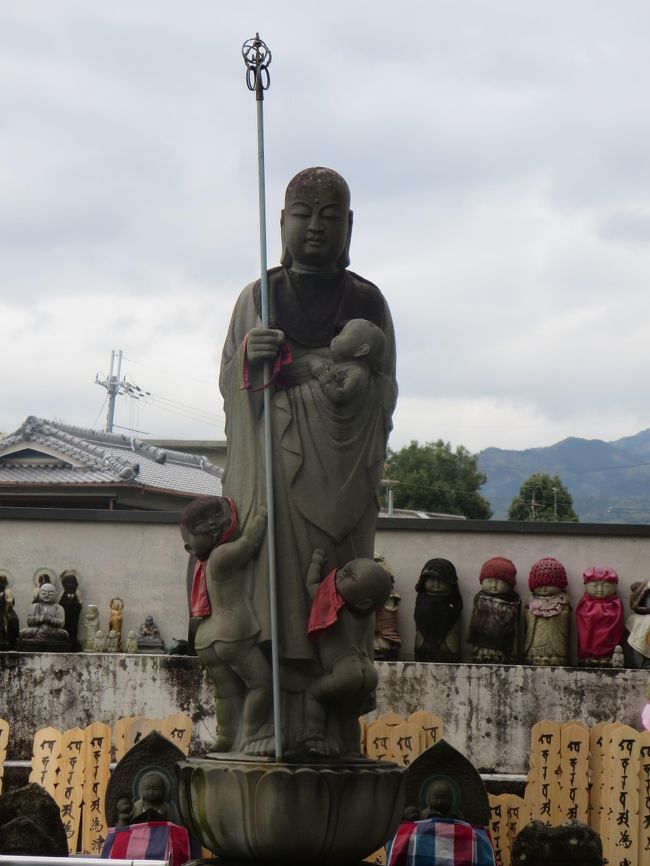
440 842
153 840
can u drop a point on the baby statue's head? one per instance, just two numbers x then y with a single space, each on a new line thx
547 577
364 585
359 340
600 581
498 575
207 522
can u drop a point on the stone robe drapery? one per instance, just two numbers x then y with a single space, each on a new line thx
328 459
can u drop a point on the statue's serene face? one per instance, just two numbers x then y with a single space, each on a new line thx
316 222
152 788
47 593
495 586
437 586
546 591
600 588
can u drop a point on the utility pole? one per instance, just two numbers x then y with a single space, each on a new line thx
112 385
555 490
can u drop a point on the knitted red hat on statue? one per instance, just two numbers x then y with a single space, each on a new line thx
600 572
499 568
547 572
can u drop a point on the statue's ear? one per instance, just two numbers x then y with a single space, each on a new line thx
286 259
363 349
344 258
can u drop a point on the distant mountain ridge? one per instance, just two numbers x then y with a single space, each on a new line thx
609 481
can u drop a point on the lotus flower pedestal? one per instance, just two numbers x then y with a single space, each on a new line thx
319 813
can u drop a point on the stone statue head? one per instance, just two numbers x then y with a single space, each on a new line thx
316 222
47 593
206 522
439 797
359 340
92 613
69 581
152 788
438 577
365 585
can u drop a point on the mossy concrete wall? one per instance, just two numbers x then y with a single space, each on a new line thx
487 710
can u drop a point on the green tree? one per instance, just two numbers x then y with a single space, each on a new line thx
433 477
543 497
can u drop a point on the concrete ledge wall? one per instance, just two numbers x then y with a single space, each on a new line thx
140 556
488 710
75 689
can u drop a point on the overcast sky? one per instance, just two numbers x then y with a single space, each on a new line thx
499 160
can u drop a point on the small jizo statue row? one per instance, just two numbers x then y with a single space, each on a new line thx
495 629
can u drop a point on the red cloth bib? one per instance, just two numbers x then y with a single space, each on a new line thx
199 601
326 606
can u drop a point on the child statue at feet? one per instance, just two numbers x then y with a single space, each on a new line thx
226 639
342 622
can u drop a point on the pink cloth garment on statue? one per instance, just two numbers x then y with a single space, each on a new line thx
600 625
645 717
548 606
326 606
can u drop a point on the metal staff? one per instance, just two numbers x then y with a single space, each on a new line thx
257 58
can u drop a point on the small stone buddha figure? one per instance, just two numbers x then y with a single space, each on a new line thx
149 639
152 794
101 642
547 615
45 623
9 627
113 642
387 640
115 620
91 625
638 625
70 601
496 613
438 607
131 645
599 617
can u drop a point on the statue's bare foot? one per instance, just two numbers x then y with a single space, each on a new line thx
222 743
315 743
262 743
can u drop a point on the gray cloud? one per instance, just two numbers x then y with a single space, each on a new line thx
497 156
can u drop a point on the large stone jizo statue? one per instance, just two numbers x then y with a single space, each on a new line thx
328 362
328 454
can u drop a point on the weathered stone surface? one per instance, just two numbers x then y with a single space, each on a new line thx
71 689
572 842
296 814
487 710
30 823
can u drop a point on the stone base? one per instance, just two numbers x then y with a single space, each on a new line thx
257 812
29 646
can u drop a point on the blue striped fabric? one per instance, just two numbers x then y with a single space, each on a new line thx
440 842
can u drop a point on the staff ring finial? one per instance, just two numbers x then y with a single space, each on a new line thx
257 57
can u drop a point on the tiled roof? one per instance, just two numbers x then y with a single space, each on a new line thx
61 454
